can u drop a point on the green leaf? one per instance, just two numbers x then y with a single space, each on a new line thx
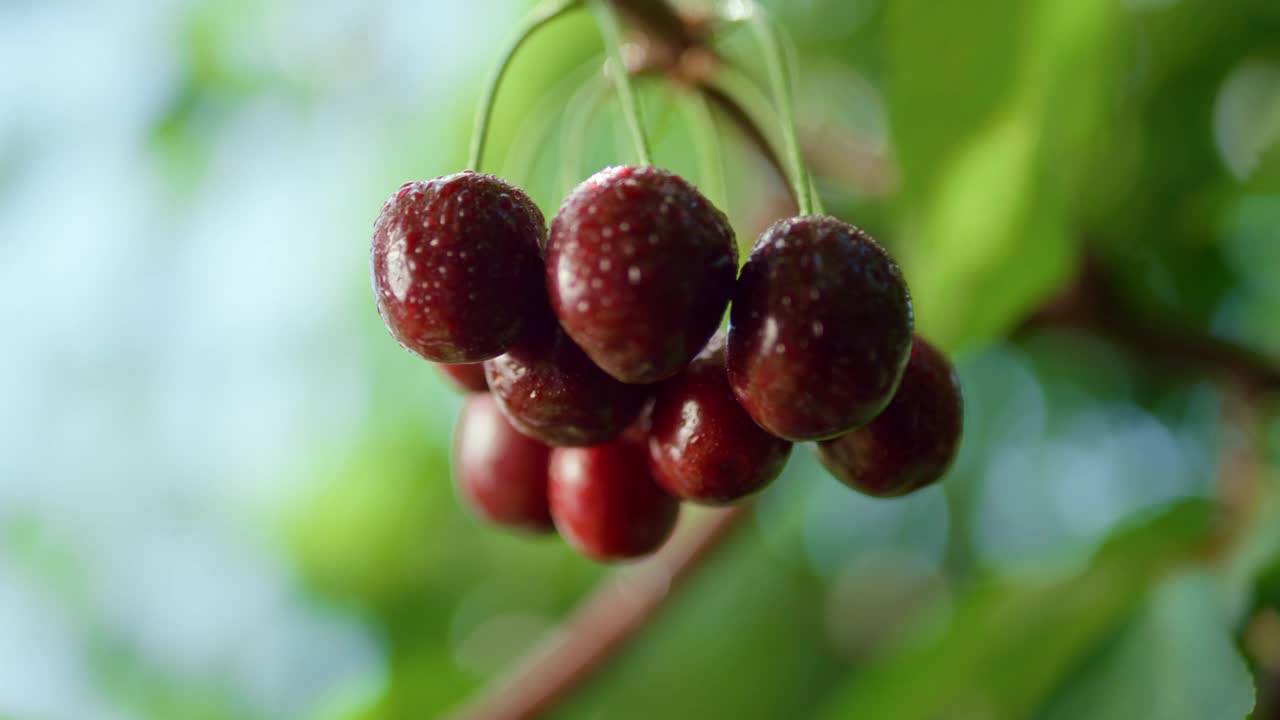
994 139
1174 661
1007 645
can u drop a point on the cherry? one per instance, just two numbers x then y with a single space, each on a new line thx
467 377
500 474
455 264
606 504
640 267
552 391
912 443
820 329
703 446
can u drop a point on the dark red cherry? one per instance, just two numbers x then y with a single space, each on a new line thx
467 377
500 474
640 267
456 264
552 391
703 446
820 329
605 502
913 442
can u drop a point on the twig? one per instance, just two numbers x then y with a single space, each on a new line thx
1093 303
598 627
752 132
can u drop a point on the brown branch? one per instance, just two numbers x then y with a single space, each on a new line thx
1095 304
603 622
748 128
657 21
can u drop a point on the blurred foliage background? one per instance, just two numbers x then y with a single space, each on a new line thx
224 491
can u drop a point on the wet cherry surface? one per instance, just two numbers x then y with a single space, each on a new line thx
703 446
500 473
820 329
912 443
553 392
640 267
456 263
605 502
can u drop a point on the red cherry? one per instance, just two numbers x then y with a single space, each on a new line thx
703 446
640 267
552 391
467 377
500 473
913 442
820 329
456 265
605 502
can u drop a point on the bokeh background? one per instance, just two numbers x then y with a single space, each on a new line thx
225 493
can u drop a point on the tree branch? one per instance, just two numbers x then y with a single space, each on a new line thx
604 621
1094 303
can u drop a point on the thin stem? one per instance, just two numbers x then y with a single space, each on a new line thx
612 36
575 127
484 114
748 107
778 69
817 206
533 139
707 141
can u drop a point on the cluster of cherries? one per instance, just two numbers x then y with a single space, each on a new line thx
603 394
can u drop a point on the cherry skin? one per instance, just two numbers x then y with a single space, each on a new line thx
465 377
500 473
820 329
552 391
640 267
912 443
456 262
703 447
606 504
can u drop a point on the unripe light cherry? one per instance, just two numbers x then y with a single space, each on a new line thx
703 447
912 443
500 473
820 329
456 264
640 267
606 504
551 391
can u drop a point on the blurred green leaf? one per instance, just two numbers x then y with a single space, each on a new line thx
994 138
1007 645
1174 661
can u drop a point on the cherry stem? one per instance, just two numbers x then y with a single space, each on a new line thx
538 19
618 607
710 160
610 32
777 67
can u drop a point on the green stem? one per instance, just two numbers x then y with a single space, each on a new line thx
575 128
707 141
612 36
533 138
778 69
540 17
